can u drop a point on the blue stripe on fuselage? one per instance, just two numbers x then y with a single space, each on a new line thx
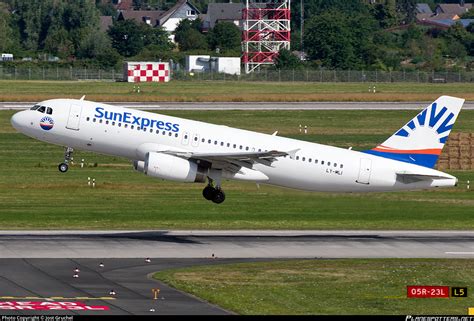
426 160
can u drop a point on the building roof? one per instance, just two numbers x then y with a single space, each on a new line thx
223 11
140 16
453 8
105 23
175 8
125 5
423 8
433 17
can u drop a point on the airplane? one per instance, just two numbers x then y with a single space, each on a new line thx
182 150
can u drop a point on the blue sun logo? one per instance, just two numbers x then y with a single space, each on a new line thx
46 123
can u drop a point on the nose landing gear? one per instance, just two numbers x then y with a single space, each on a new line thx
63 167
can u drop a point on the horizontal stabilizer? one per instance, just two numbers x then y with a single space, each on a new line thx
407 177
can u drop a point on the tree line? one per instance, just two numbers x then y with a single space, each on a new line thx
337 34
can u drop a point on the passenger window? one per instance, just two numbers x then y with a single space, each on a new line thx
88 118
222 143
228 145
203 140
42 109
342 166
49 111
176 135
335 164
329 163
106 122
119 124
322 162
132 127
309 160
151 130
315 161
113 123
297 157
208 141
170 134
215 142
93 120
125 125
304 158
235 146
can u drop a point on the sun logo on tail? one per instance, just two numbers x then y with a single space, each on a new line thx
430 118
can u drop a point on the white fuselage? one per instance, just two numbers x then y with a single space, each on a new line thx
313 167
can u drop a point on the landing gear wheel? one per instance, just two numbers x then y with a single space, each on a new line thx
219 196
208 192
63 167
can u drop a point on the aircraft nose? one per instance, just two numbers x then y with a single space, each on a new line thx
16 120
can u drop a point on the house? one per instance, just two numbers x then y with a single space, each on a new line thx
447 23
168 20
228 12
453 8
183 9
423 8
150 17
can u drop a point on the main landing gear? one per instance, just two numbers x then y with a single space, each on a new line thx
214 194
63 167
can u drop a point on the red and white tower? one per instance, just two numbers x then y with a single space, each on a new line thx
266 31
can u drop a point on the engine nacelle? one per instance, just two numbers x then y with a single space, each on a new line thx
173 168
139 166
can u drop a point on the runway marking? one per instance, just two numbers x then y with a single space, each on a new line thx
460 253
55 298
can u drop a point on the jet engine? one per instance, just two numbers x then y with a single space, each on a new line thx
173 168
139 166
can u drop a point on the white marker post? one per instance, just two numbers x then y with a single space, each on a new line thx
305 129
82 163
468 185
300 128
88 181
93 182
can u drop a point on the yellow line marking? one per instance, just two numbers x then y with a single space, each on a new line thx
470 311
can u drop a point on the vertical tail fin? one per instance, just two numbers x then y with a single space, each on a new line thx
422 139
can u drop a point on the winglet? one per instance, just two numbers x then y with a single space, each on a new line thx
275 133
82 98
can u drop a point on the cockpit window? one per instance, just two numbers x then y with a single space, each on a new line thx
35 107
42 109
49 111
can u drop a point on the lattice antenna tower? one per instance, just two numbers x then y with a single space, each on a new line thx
266 31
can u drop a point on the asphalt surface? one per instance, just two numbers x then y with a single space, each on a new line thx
258 105
237 244
39 266
51 281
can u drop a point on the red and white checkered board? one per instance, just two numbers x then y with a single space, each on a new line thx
148 72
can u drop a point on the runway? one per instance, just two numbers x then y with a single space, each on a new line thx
469 105
114 276
237 244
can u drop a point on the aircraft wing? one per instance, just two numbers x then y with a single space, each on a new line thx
236 160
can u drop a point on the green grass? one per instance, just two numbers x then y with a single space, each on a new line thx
229 91
34 194
348 286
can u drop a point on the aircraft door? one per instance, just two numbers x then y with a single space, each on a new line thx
195 141
364 171
74 117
